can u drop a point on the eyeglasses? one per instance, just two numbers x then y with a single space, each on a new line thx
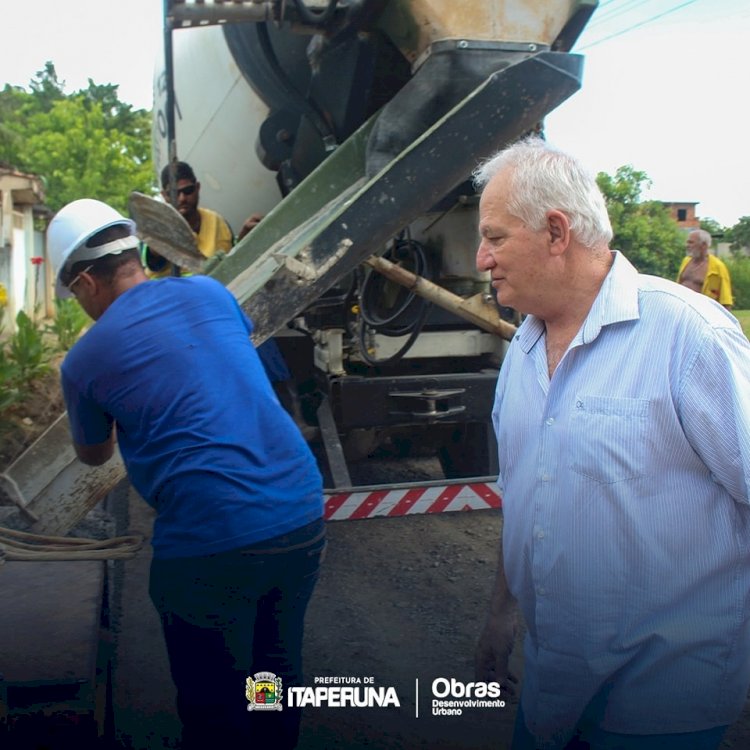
187 190
69 287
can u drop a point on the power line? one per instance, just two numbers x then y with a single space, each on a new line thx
618 11
637 25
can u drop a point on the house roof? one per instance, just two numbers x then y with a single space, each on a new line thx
25 189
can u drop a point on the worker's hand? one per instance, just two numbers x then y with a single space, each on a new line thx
250 223
494 648
209 264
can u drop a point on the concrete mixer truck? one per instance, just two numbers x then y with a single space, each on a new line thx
354 126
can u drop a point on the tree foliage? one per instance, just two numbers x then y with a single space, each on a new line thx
713 227
739 234
643 230
85 145
739 273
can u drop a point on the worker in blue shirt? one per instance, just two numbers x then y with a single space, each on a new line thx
168 372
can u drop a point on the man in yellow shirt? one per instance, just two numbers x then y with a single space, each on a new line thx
703 272
212 231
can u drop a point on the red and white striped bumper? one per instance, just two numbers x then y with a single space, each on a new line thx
405 501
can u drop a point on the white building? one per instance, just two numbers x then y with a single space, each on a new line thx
26 279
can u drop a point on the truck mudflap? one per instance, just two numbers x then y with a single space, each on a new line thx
390 501
339 215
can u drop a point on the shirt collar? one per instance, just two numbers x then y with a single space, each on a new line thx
617 301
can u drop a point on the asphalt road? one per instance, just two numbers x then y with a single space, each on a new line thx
399 600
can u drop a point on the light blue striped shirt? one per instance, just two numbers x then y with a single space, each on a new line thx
626 518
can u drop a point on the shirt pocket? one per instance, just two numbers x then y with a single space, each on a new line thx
609 438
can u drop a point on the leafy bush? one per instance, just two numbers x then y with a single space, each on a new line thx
26 354
9 393
27 350
70 320
739 271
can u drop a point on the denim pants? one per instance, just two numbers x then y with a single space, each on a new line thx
228 616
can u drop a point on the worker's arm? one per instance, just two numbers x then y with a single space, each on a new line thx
498 636
88 422
249 224
97 454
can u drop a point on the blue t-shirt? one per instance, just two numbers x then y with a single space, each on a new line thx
201 432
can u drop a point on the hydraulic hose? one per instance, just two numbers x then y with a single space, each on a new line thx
304 104
407 314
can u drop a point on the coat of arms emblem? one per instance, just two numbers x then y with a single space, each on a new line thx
264 692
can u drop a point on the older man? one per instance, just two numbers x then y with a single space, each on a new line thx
703 272
625 486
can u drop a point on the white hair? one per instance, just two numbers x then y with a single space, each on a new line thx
703 236
543 178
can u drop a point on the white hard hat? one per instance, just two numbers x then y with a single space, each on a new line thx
72 226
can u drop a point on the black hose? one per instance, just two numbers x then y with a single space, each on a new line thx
305 105
408 313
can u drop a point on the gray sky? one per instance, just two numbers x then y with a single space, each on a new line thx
668 97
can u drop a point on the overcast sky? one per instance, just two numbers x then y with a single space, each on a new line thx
666 92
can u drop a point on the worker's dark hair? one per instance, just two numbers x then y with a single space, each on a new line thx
107 266
182 171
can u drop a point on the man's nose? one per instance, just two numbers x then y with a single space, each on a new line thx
484 260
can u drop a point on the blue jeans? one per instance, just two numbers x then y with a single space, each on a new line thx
590 737
227 616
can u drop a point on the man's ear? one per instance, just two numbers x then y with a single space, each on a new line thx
90 282
558 231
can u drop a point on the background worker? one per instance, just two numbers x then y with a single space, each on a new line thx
212 231
626 489
239 534
703 272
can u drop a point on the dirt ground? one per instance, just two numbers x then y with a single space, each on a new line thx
399 600
24 422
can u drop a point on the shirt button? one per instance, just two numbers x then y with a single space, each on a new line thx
540 535
551 421
541 591
545 477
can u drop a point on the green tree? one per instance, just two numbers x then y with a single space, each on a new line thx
11 101
79 156
713 228
739 235
85 145
643 230
46 87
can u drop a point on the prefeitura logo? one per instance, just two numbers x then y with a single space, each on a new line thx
264 692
